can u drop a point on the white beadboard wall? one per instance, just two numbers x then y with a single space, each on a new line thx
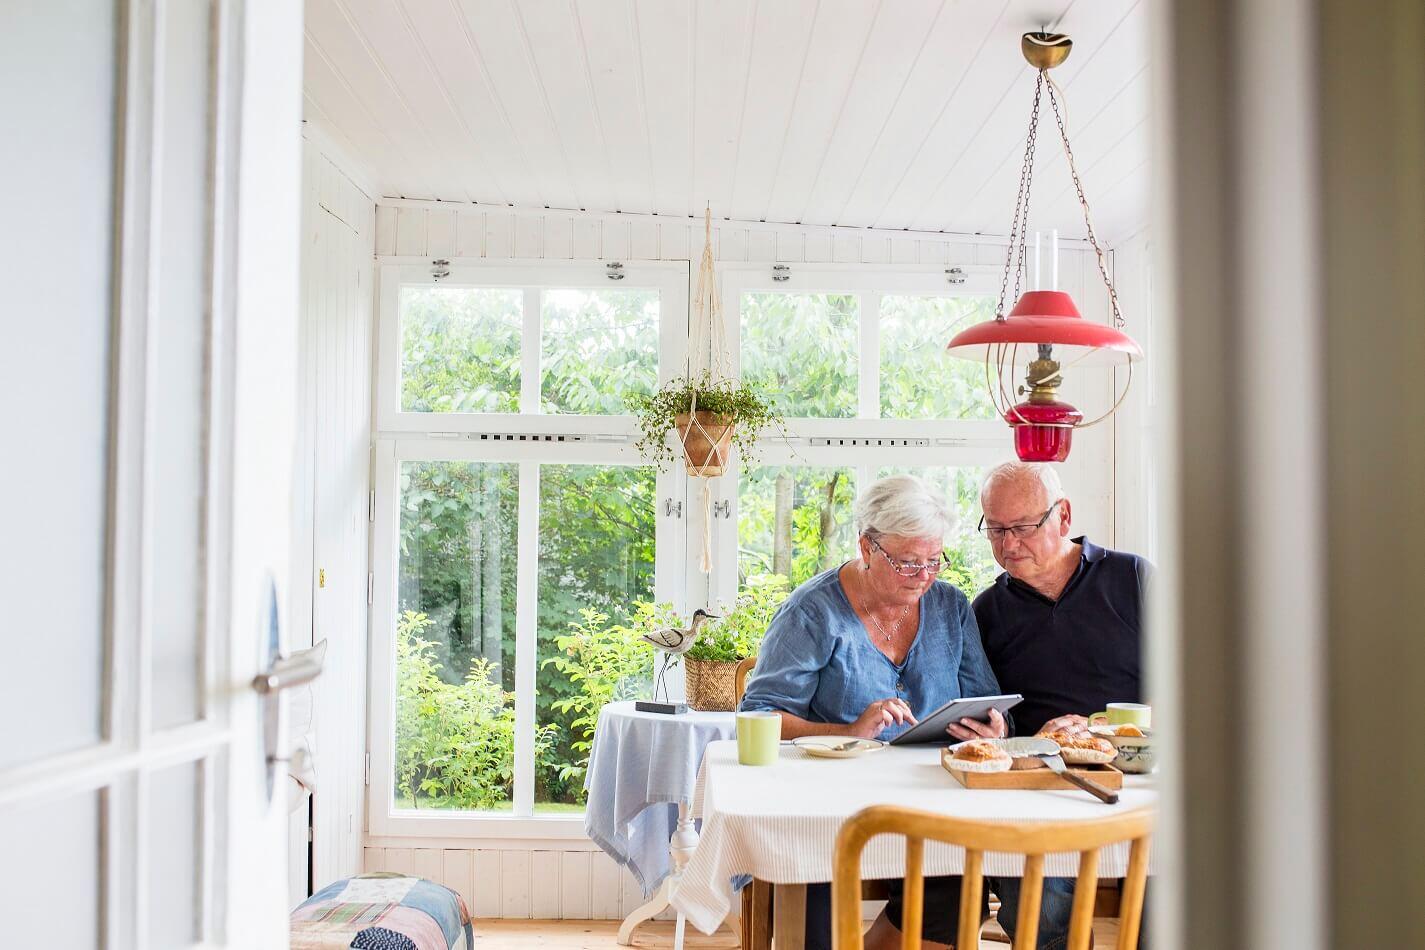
543 884
330 531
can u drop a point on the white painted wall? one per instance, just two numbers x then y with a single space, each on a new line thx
330 505
1136 490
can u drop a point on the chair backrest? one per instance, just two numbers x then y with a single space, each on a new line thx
739 677
1033 840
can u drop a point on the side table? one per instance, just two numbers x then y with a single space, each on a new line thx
643 771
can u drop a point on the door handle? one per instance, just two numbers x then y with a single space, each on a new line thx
288 672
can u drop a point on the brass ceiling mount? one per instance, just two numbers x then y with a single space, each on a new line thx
1045 50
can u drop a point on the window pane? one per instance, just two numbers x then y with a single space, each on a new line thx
598 346
972 566
55 366
178 366
793 520
801 349
174 833
918 380
54 869
455 642
595 554
460 349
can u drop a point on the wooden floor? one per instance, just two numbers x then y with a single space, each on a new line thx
602 934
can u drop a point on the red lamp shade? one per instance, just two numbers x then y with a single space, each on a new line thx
1045 316
1045 331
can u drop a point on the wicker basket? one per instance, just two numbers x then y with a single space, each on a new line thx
711 684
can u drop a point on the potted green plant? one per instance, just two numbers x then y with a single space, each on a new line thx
710 664
728 413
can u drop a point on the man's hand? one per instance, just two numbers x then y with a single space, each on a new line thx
974 729
1075 726
879 716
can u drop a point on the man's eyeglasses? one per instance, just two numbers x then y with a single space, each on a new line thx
1021 531
910 568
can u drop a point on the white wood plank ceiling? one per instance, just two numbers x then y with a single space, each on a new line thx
900 114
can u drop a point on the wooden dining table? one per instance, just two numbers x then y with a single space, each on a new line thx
777 826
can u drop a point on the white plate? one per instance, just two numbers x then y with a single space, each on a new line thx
825 747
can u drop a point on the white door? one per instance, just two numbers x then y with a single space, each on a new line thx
148 306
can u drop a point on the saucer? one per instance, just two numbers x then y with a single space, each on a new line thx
825 747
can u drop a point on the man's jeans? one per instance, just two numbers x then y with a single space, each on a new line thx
1055 909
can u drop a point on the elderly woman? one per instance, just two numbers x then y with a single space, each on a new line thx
867 648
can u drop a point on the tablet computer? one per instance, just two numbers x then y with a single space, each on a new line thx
932 727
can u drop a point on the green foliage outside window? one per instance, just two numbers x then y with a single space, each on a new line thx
455 742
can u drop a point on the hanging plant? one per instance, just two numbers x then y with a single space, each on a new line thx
728 413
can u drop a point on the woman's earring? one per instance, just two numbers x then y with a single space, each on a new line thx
865 565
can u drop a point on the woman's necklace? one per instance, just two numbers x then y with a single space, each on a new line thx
899 620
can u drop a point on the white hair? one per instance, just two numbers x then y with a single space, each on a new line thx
1011 473
905 506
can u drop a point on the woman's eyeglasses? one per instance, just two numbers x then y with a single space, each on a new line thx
1021 531
910 568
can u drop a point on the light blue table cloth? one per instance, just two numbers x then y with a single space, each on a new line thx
641 767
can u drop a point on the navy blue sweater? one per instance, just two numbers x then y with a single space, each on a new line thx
1075 654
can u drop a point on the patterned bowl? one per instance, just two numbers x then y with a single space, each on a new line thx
1136 754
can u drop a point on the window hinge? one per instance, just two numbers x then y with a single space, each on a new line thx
371 507
370 588
366 769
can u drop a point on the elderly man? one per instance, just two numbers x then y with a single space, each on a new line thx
1062 626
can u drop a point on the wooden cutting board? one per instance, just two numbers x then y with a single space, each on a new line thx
1029 774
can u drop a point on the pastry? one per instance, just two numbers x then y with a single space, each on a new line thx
979 755
1084 750
1128 729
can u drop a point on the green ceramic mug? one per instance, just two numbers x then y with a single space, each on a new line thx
758 735
1122 714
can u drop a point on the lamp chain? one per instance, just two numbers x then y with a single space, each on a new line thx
1019 226
1118 320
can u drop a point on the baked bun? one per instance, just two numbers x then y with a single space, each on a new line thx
1128 729
980 755
1085 750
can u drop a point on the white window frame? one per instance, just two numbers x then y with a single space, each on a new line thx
669 278
586 439
829 442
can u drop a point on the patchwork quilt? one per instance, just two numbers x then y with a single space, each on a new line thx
382 911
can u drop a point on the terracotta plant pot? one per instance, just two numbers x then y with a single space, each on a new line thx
706 446
711 684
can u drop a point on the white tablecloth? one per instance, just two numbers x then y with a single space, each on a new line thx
642 766
779 823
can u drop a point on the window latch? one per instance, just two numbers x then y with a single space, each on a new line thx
722 509
439 268
672 508
781 272
615 271
956 275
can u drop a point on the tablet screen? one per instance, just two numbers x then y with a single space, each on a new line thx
932 727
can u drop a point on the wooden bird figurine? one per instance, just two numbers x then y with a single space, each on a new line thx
674 641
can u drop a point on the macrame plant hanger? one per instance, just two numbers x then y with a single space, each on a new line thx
705 438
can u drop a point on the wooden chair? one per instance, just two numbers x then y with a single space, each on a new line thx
1033 840
739 677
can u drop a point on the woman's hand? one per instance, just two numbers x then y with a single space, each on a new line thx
966 729
879 716
1075 726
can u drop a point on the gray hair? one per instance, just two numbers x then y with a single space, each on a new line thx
1010 473
905 506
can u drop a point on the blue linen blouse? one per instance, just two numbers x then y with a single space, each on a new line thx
818 662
